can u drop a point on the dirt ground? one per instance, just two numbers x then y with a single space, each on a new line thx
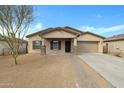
48 71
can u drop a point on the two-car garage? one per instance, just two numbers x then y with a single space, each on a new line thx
87 46
89 42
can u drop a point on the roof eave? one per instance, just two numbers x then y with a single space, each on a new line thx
94 34
114 40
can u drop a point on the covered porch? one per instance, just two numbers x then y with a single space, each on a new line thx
59 45
59 41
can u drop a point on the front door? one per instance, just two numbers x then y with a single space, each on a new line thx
67 46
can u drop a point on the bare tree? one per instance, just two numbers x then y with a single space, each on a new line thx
14 24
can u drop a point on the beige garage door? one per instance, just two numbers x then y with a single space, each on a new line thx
87 46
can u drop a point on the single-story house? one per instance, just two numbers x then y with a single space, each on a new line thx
115 45
61 40
5 50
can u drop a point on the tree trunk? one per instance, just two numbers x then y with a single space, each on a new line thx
15 60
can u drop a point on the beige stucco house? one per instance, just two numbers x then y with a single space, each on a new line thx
115 45
61 40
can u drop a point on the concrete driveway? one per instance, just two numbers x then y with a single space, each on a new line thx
108 66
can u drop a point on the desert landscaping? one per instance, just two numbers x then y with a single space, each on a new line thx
35 70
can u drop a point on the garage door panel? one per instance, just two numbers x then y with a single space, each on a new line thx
87 46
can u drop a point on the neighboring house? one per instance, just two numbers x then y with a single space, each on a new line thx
3 45
115 45
62 40
4 48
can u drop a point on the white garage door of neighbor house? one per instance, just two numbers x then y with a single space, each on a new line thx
87 46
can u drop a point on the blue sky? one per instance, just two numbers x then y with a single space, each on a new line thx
103 20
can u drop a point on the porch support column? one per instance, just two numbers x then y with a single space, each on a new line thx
43 47
75 46
43 42
75 41
100 46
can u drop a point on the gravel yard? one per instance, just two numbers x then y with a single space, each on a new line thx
48 71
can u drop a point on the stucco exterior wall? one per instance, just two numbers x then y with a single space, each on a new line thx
100 46
58 34
62 51
90 37
3 45
115 47
62 35
30 45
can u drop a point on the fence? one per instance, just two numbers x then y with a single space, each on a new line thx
6 51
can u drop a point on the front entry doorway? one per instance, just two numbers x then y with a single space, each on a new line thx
67 46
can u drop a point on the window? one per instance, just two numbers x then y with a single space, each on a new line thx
55 45
37 44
